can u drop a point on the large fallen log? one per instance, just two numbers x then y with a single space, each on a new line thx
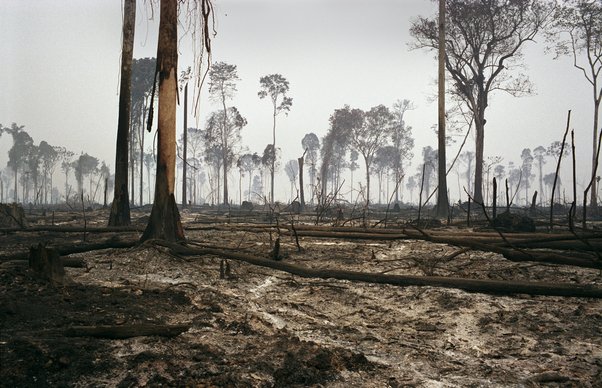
486 241
126 331
471 285
64 250
74 229
512 254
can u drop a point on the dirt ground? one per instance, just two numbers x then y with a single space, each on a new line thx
258 327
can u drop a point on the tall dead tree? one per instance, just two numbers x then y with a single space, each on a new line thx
164 222
120 209
442 200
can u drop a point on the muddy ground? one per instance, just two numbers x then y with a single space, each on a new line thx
258 327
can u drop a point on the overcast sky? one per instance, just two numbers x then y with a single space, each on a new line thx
60 73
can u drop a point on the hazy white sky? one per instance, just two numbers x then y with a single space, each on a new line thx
61 62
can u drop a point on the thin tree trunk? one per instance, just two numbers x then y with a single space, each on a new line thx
120 209
594 184
367 182
478 176
16 192
164 222
185 156
225 148
141 194
301 190
273 158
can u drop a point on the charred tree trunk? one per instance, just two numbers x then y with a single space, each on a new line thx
185 151
442 199
494 204
47 264
273 167
301 190
120 209
164 222
479 147
595 153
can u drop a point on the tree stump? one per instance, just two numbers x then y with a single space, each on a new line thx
12 216
514 222
47 264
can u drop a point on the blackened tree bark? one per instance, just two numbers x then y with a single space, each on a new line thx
164 222
120 209
442 200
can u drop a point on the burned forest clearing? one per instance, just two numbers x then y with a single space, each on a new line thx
332 306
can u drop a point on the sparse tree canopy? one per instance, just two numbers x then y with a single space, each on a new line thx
222 81
223 134
577 32
402 140
483 43
275 86
311 144
222 86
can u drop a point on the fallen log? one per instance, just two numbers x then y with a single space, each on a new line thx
73 229
126 331
513 254
68 262
79 248
471 285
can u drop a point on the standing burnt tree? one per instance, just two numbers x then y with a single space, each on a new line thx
577 32
483 40
402 141
164 222
120 209
442 199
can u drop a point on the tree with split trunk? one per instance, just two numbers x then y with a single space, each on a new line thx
223 136
164 222
384 163
275 86
539 154
429 159
375 130
17 154
311 145
84 166
353 165
291 168
248 163
483 44
402 141
577 32
120 209
50 157
67 165
269 160
527 168
222 86
335 145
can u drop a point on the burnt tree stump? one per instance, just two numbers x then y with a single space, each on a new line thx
12 216
47 264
